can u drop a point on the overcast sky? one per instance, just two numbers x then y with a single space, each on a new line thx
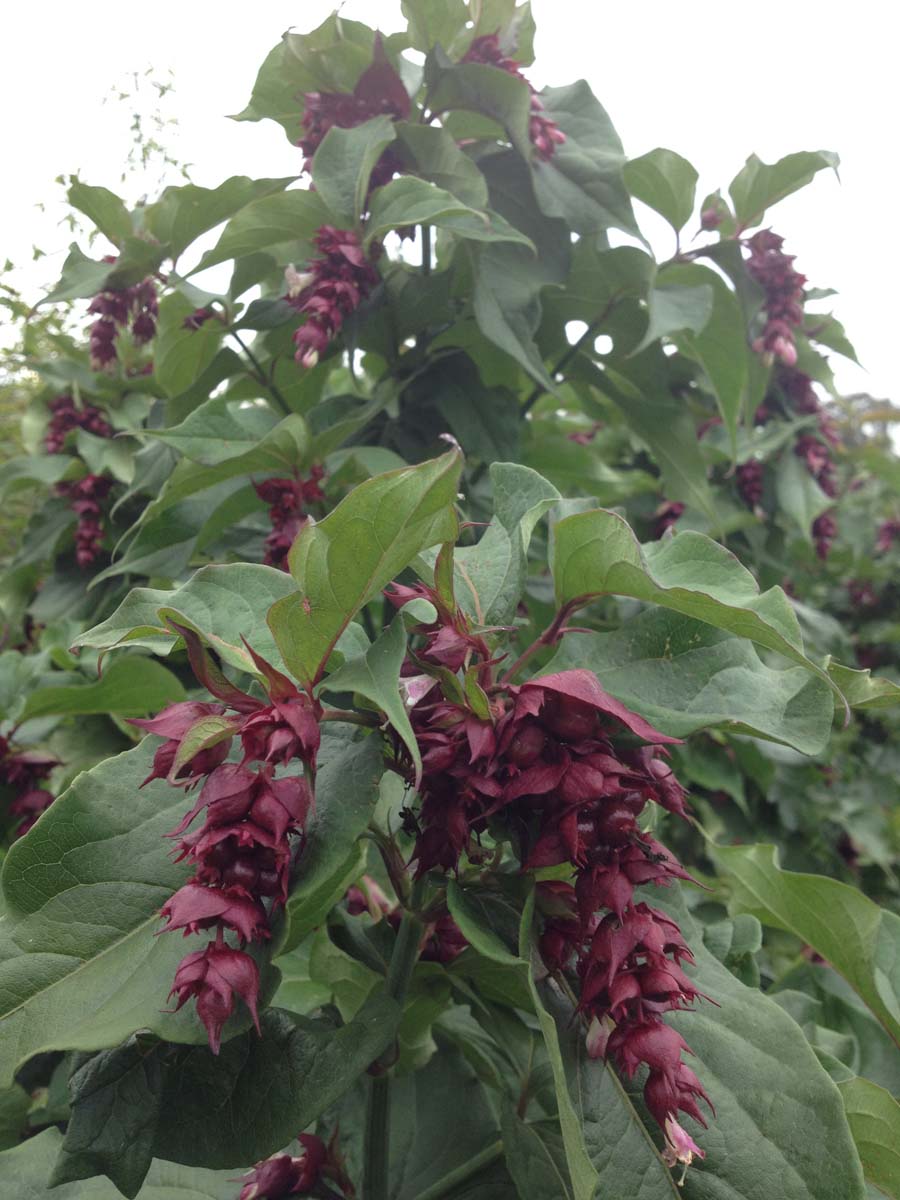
712 81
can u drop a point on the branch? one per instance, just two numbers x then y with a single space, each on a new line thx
260 374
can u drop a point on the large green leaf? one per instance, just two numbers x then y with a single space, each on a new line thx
683 675
103 207
666 182
224 428
251 1100
673 308
596 552
720 347
283 219
582 183
33 469
489 577
430 24
862 689
343 164
535 1158
347 558
83 892
26 1169
410 201
874 1117
487 90
758 185
346 793
181 355
182 213
798 494
859 939
115 1099
131 687
438 158
222 603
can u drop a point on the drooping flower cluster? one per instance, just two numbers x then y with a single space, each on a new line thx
65 416
774 271
824 531
252 814
119 308
545 134
565 771
287 500
668 513
378 91
888 534
24 771
85 497
286 1175
749 477
333 286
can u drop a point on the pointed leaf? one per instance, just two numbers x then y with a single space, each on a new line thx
859 939
758 185
874 1117
344 162
130 687
344 560
666 182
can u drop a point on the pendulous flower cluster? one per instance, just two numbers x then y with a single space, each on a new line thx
544 133
24 771
563 771
286 1175
252 814
288 500
65 416
774 271
119 308
85 497
333 286
379 91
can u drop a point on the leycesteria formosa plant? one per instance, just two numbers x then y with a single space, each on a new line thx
429 627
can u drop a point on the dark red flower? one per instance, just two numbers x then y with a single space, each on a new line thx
213 977
773 270
194 907
283 1175
340 278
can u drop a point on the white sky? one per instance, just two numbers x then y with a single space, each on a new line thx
714 81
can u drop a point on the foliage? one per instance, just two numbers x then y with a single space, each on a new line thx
458 623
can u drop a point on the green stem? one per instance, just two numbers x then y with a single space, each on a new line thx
453 1178
426 249
570 353
260 374
378 1113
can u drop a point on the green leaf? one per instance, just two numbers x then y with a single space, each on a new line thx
115 1100
669 431
344 162
346 559
14 1105
666 182
26 1169
283 219
104 208
798 494
83 892
582 1171
182 355
262 1090
472 912
596 552
131 687
859 939
346 793
583 184
721 346
29 470
376 675
758 185
874 1117
535 1158
683 675
488 90
222 429
182 214
433 24
673 309
439 159
221 603
410 201
861 689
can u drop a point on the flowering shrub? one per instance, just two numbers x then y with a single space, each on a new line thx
436 616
